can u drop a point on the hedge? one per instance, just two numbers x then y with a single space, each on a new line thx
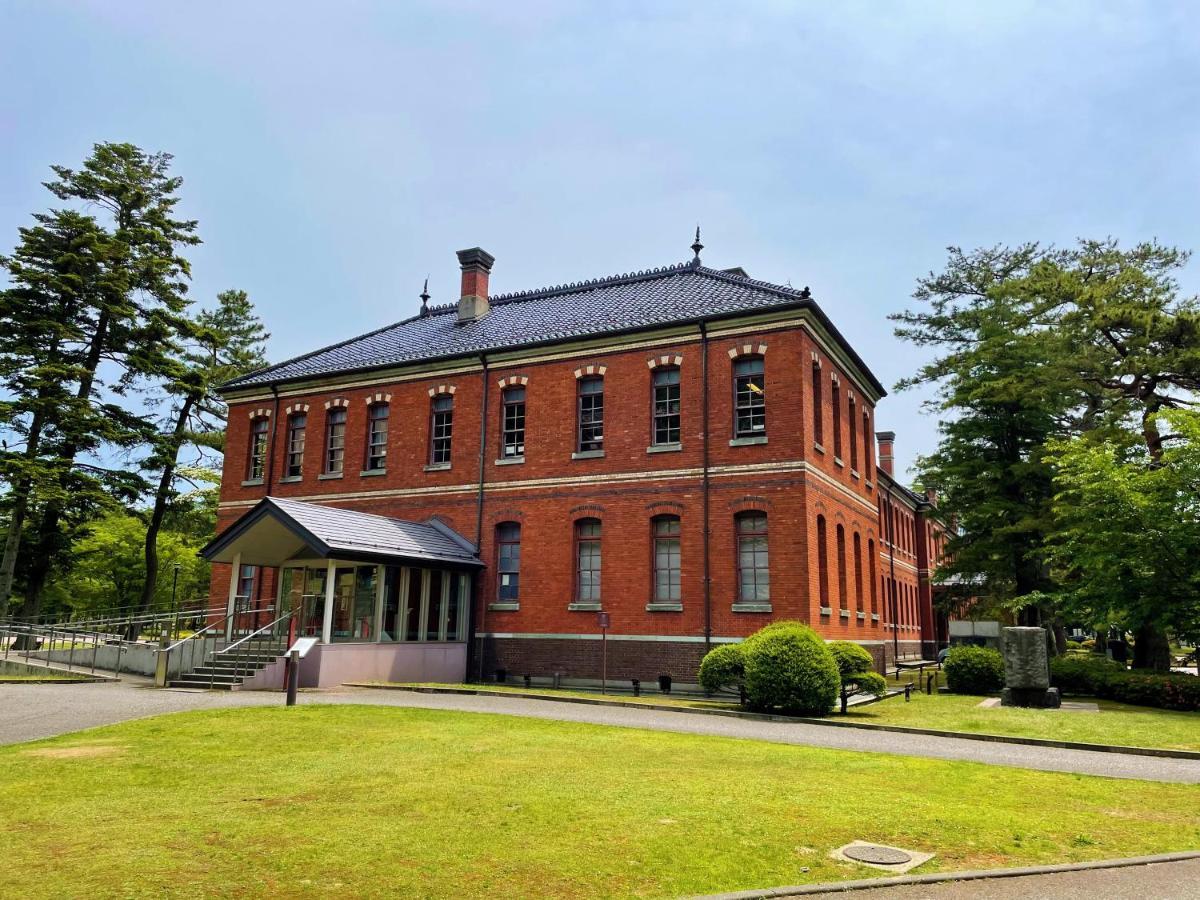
1109 680
974 670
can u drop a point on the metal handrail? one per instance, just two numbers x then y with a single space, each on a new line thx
209 627
48 633
286 615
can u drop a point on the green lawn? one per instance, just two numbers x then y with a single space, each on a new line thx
346 800
13 679
652 696
1115 723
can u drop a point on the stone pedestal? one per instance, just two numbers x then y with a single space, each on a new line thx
1027 669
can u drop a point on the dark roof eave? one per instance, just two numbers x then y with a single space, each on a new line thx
810 304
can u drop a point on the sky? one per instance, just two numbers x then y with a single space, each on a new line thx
336 154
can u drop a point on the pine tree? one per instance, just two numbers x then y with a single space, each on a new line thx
223 343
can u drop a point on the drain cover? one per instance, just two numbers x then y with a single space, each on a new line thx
877 855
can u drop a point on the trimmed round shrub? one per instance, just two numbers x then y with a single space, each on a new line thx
1074 645
851 658
856 668
722 668
789 669
974 670
1089 644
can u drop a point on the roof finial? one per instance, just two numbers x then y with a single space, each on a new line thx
697 247
425 298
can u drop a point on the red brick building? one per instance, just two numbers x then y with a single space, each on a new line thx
686 449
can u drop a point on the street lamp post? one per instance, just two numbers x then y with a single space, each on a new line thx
174 606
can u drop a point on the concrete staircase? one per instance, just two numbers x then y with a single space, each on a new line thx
227 672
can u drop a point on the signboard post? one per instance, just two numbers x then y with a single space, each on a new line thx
604 623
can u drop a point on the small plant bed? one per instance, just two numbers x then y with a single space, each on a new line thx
363 800
1115 723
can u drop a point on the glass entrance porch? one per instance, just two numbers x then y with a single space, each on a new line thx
343 602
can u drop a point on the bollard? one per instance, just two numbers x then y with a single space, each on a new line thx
907 692
528 681
162 660
637 688
293 682
557 680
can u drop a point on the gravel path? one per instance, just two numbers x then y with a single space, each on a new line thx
32 711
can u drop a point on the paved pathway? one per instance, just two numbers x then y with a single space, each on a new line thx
1158 881
33 711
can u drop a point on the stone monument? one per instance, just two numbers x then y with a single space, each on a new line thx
1027 669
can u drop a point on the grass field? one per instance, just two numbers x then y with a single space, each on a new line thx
1115 723
345 800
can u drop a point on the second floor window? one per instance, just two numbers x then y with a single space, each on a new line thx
513 422
754 574
591 414
835 397
666 406
587 555
818 411
508 561
441 429
377 432
297 425
667 567
749 397
335 441
852 421
257 463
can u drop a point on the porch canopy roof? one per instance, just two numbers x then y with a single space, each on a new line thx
276 530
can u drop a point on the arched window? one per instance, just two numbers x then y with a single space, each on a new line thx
852 422
335 440
441 429
835 397
866 435
377 432
665 532
508 562
587 561
754 573
749 397
297 426
590 429
512 422
858 573
822 562
256 463
871 570
666 405
841 564
818 411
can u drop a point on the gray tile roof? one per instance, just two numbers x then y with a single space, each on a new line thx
672 295
346 533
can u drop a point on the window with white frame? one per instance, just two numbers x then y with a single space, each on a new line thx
335 440
377 434
666 405
513 422
667 559
591 414
749 397
441 429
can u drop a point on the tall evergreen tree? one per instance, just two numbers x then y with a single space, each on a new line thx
136 310
222 343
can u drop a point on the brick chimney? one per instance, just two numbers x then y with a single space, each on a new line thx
886 440
476 266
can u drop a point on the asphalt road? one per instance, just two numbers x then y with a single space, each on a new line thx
1158 881
31 711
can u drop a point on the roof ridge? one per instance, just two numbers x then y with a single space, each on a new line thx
589 283
782 290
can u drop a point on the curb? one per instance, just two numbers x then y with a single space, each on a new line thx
866 884
828 723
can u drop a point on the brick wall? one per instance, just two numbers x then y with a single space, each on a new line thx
790 478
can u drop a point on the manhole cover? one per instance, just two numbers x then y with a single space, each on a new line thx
876 855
